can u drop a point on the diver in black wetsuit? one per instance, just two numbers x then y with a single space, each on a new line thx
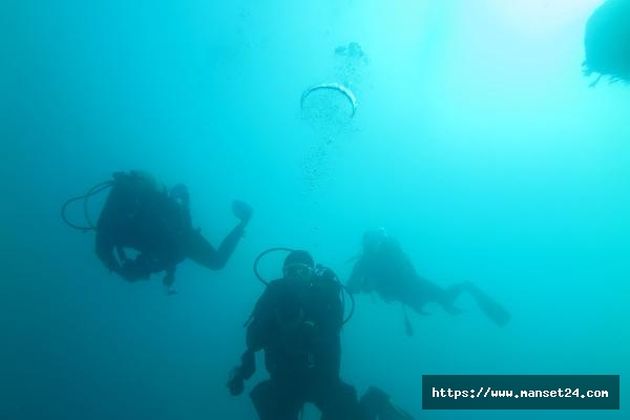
607 42
142 215
297 322
385 269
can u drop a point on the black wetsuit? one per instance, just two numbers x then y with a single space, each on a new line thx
607 41
140 215
386 270
298 324
389 272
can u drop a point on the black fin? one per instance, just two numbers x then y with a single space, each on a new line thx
491 308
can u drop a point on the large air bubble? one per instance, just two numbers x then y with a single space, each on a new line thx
329 108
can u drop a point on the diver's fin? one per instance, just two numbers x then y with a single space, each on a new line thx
491 308
379 405
396 413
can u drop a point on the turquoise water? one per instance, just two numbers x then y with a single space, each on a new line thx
477 142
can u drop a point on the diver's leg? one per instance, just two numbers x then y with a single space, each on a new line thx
445 297
202 252
422 291
491 308
273 402
339 402
449 295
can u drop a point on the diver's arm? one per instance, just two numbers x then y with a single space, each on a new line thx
238 376
203 253
128 269
228 245
257 331
105 251
248 364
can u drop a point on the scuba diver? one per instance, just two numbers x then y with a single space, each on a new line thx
297 322
385 269
607 42
141 215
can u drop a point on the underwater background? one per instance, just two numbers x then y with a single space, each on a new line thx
477 143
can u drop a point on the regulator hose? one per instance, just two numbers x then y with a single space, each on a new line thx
89 226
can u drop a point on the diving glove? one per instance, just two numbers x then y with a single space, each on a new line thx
242 211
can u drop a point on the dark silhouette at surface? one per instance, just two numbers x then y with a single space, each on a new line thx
141 215
297 322
607 41
385 269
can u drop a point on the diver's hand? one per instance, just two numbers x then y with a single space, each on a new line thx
326 273
168 281
236 384
248 364
242 211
